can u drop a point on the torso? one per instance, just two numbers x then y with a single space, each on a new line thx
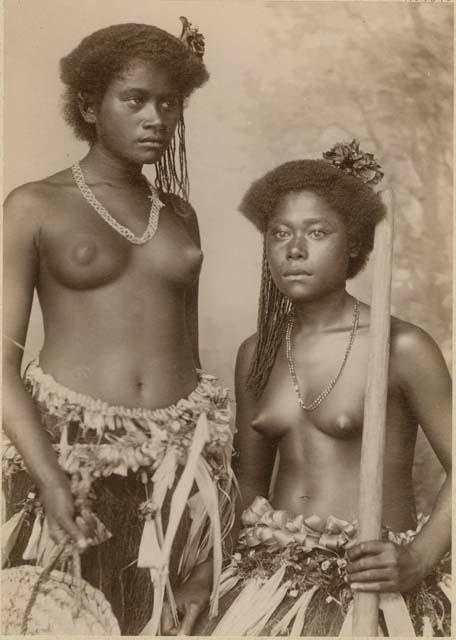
320 450
115 313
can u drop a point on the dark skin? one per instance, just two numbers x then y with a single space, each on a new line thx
308 249
120 320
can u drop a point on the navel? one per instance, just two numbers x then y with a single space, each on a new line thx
85 252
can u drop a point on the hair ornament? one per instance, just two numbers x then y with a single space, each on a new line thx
192 38
348 157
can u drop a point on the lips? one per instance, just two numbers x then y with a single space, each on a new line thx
296 273
159 142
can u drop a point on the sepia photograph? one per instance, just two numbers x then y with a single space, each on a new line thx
227 318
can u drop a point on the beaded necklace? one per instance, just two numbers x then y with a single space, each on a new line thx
156 206
332 383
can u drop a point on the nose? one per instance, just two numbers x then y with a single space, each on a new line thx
297 248
153 116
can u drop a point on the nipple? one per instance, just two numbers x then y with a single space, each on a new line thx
84 253
257 422
345 424
196 256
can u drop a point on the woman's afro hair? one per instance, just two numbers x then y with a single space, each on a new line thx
87 71
360 206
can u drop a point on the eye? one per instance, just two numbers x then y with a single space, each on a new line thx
318 234
134 101
280 234
169 104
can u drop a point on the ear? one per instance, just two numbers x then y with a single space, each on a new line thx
87 108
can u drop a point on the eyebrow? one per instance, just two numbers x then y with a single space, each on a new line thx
308 221
140 89
133 89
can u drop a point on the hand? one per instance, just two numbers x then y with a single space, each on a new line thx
383 566
192 598
58 505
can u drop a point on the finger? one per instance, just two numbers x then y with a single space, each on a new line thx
367 563
377 587
374 575
167 622
351 544
82 524
188 622
75 533
363 548
90 521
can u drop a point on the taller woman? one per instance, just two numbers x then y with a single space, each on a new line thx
116 407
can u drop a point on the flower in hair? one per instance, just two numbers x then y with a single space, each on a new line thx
349 158
191 37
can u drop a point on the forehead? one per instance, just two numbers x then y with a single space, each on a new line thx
302 205
144 75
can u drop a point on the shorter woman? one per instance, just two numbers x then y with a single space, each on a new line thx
300 384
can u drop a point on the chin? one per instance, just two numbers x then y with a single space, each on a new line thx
152 159
301 293
295 289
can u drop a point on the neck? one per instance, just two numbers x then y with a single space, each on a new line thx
101 166
325 313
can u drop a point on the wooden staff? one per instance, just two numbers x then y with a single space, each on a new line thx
365 612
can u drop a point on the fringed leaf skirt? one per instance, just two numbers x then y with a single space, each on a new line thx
288 577
157 482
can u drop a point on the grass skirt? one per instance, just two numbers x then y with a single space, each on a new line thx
158 482
287 577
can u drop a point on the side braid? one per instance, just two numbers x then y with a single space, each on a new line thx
273 309
171 170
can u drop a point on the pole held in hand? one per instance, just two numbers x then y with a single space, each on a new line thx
365 612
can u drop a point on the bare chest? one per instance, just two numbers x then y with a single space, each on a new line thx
340 413
79 250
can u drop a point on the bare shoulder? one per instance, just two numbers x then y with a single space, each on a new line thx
29 201
23 207
181 207
245 355
413 350
185 212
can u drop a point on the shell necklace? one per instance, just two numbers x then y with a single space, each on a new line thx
155 208
332 383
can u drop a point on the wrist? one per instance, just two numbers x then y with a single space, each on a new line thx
420 559
53 480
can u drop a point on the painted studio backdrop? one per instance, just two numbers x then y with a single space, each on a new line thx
288 80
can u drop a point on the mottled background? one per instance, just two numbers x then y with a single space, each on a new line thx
288 80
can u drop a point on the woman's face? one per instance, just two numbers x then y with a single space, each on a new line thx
307 246
138 115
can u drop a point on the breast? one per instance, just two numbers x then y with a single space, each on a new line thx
343 426
188 266
172 255
80 251
339 416
85 260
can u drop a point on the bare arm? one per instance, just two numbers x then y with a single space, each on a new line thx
254 454
192 596
191 311
191 298
426 386
21 420
253 461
